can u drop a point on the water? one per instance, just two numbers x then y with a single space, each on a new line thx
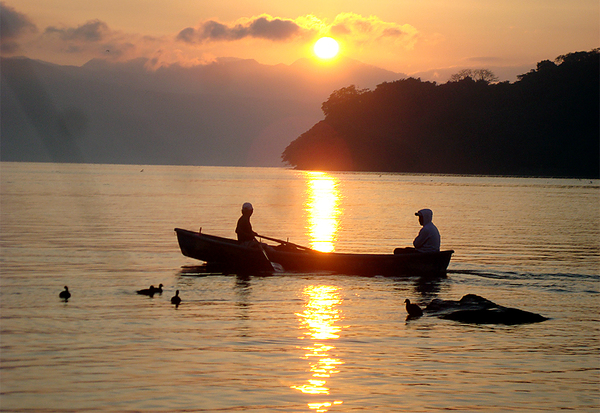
291 342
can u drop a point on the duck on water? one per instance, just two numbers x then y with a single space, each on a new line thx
176 299
151 291
413 310
65 295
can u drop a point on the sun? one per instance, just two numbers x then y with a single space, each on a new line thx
326 48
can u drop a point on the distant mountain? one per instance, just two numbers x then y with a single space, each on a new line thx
231 112
305 79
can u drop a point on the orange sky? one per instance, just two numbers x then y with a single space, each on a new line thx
402 36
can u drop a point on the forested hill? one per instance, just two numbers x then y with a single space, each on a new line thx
544 124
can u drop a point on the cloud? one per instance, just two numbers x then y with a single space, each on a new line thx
363 37
371 30
276 29
261 27
12 26
354 28
92 31
96 39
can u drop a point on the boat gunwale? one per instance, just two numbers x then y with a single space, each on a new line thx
308 251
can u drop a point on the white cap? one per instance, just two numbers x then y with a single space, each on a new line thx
247 205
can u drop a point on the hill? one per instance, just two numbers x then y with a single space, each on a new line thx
545 124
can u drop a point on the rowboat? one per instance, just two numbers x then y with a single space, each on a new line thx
229 256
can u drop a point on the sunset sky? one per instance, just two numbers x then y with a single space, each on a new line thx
405 36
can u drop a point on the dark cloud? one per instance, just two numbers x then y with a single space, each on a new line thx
12 25
92 31
276 29
95 39
216 31
187 35
260 27
9 47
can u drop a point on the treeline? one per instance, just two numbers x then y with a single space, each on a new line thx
544 124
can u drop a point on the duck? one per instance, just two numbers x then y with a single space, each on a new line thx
413 310
148 291
65 295
159 290
176 299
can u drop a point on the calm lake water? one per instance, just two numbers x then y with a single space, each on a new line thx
291 342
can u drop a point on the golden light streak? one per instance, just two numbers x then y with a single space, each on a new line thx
323 210
323 407
318 323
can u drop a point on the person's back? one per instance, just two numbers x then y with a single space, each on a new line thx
429 239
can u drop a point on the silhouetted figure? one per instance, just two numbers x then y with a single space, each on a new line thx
65 295
413 310
176 299
245 234
428 239
159 289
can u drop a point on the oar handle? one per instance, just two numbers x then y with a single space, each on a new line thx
284 242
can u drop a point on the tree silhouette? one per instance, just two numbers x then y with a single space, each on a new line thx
479 75
546 123
340 98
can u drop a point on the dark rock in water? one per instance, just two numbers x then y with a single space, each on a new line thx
507 316
468 302
475 309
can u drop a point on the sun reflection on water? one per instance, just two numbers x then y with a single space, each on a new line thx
323 210
318 324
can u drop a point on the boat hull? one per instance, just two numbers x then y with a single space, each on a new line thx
229 255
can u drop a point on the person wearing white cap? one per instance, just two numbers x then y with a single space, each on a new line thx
428 239
244 231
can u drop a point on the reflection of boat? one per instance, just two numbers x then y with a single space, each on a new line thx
226 255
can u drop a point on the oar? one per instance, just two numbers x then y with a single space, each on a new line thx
276 267
284 242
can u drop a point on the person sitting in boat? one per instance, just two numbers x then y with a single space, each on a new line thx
428 239
245 234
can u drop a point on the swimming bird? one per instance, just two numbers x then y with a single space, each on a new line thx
65 295
151 291
176 299
413 310
147 291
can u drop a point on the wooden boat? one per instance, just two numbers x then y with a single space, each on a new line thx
227 255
